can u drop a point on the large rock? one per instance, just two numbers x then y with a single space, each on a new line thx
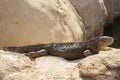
93 13
27 22
12 63
15 66
102 66
96 13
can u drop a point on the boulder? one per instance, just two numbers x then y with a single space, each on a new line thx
102 66
12 63
16 66
27 22
93 13
113 8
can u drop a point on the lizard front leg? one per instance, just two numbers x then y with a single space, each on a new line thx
35 54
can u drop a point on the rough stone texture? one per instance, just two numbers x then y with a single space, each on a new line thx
12 62
27 22
96 13
15 66
93 13
103 66
64 71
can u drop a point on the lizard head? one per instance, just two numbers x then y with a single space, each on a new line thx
105 41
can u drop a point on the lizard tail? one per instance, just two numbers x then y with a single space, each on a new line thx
26 49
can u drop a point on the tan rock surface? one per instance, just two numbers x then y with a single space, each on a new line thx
58 68
102 66
12 62
27 22
43 68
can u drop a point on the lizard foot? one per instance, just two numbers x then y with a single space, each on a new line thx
87 53
36 54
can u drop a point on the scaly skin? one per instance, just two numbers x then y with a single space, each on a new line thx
73 50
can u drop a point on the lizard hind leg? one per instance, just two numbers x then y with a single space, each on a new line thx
35 54
87 53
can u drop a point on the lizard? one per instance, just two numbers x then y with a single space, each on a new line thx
70 50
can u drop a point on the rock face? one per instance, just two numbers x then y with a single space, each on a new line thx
102 66
12 63
28 22
93 13
113 8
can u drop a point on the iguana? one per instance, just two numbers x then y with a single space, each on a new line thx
70 50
